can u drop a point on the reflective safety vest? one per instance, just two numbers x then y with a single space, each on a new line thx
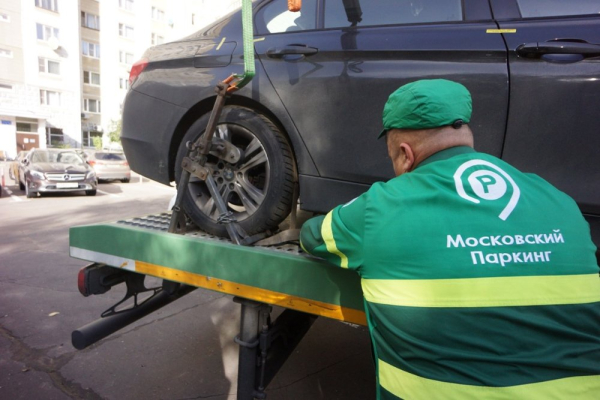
480 281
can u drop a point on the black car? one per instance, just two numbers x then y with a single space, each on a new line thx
313 111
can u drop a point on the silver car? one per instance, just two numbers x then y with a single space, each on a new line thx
110 165
56 170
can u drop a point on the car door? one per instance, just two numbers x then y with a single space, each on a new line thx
335 64
553 121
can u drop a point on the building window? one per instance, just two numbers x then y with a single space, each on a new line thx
126 4
158 14
45 32
91 105
54 136
6 53
4 17
49 66
49 98
126 31
90 49
126 58
88 138
90 21
91 78
124 83
156 39
51 5
26 127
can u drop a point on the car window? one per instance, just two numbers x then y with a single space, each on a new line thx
340 13
555 8
109 156
275 17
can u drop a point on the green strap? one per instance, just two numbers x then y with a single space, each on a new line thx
248 39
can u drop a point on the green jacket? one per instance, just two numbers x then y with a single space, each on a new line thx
480 281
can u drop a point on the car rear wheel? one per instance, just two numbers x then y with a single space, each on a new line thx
90 192
125 180
258 189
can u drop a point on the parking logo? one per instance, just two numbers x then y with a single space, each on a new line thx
488 183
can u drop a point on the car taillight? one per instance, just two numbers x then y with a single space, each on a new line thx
125 163
92 162
136 70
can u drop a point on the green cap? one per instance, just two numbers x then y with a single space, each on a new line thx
428 103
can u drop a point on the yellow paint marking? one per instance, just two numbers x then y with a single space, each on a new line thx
221 44
501 31
250 292
259 39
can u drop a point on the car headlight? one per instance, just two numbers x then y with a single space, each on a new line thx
37 175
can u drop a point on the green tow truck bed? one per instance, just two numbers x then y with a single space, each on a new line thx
258 277
281 275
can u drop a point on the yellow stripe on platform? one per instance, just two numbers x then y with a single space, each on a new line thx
327 234
408 386
253 293
484 292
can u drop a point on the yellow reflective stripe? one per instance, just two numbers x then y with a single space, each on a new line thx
327 234
408 386
484 292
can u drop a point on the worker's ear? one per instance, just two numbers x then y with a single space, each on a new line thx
404 160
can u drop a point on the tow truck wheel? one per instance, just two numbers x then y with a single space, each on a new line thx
258 189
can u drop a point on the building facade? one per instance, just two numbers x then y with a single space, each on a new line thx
64 64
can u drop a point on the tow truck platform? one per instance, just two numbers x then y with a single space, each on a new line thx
257 276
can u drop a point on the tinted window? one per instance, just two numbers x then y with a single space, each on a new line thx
109 156
339 13
275 17
555 8
56 157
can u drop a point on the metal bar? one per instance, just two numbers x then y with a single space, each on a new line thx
248 341
101 328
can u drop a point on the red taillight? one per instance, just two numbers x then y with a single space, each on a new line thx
92 162
136 70
81 282
125 163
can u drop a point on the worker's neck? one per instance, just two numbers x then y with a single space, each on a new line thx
437 143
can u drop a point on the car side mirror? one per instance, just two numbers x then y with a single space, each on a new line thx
294 5
24 161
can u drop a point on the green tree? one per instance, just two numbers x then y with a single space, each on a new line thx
97 140
114 135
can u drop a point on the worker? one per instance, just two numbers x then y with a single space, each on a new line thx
480 281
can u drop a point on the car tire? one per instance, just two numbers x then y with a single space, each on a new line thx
125 180
90 192
28 193
258 189
21 186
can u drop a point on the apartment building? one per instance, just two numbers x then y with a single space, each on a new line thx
64 64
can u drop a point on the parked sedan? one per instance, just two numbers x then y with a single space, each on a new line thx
313 110
110 166
56 170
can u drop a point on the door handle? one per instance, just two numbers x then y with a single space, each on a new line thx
560 46
293 49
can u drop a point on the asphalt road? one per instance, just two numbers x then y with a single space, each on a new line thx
183 351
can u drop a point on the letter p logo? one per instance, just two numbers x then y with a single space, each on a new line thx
487 185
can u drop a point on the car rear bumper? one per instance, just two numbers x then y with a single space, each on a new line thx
148 125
